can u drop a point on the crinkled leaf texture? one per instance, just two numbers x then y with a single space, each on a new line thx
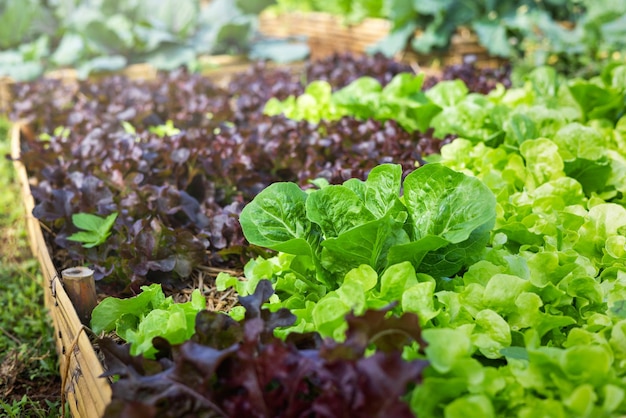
150 314
442 223
237 369
401 100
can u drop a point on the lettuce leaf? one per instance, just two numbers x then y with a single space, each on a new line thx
364 98
444 220
140 319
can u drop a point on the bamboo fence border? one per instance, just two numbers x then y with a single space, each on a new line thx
83 389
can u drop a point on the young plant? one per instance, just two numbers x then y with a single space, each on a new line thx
364 98
167 129
59 131
150 314
95 230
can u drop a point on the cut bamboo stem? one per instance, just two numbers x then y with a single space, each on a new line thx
81 289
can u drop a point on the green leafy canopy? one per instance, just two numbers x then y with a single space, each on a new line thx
108 35
401 100
441 223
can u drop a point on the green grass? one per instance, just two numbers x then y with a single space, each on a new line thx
29 374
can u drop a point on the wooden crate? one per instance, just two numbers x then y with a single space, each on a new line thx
82 387
327 34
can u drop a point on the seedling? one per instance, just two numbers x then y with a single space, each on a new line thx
95 230
168 129
60 131
129 128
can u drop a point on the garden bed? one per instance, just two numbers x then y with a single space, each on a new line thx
238 127
328 34
509 242
82 387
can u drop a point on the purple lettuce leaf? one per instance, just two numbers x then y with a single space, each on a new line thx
234 369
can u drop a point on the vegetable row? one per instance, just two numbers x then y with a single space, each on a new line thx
176 160
510 246
504 255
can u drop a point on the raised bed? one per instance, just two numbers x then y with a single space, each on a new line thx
82 387
86 392
327 34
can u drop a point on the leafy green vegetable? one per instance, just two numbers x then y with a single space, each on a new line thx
150 314
276 219
95 230
597 102
582 149
444 217
358 245
401 100
167 129
450 205
533 323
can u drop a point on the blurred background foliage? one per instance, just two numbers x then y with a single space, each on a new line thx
108 35
577 37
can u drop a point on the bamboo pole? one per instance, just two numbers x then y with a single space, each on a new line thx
81 288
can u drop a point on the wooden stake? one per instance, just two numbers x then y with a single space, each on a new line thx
81 289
